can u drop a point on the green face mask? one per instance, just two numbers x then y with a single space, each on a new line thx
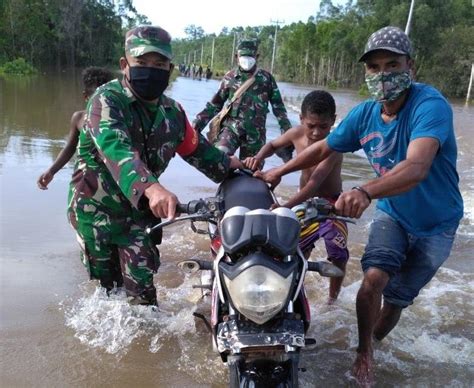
387 86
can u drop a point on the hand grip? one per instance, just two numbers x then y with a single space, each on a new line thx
182 208
190 207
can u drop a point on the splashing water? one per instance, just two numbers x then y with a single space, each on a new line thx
430 335
112 324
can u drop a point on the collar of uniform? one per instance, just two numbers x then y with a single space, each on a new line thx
131 97
239 73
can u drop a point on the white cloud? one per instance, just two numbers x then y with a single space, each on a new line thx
213 15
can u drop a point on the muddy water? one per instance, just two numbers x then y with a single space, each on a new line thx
57 329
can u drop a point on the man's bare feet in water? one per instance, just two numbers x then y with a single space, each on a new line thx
363 369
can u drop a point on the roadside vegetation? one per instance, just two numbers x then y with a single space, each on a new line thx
323 50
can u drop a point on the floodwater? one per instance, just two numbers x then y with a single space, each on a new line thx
57 329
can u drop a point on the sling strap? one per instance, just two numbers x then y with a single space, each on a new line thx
215 124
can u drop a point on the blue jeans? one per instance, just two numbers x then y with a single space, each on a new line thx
410 261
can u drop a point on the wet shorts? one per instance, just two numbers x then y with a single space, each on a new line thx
410 261
334 233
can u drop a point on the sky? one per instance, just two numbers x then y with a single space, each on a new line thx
213 15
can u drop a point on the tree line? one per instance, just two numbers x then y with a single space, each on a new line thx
322 51
65 33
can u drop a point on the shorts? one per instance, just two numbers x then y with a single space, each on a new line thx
334 233
410 261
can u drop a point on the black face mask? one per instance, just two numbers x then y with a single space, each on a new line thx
148 82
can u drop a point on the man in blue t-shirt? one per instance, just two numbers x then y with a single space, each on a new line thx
407 133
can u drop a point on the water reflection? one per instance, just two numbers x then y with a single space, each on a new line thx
41 271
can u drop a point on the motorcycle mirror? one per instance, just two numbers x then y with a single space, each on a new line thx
325 269
189 266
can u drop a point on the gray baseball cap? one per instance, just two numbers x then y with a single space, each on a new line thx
388 38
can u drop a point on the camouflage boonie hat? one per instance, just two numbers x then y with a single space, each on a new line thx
247 47
148 39
389 38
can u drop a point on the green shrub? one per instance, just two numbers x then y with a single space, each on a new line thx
333 84
18 66
363 90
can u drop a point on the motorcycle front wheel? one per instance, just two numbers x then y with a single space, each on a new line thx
263 373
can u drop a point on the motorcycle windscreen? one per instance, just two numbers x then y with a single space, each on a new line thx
277 235
246 191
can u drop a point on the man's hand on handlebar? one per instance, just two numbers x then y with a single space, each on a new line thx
161 201
352 204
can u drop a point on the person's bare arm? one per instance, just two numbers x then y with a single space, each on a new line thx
403 177
66 153
256 162
311 156
317 177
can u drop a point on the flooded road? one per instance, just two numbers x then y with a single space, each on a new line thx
57 329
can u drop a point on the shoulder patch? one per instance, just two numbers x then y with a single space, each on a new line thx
190 141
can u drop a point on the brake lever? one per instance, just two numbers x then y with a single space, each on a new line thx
193 217
320 209
345 219
319 218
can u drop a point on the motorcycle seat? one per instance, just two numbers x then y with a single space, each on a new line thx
247 191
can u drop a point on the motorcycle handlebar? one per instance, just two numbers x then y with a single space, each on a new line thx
190 207
319 209
196 210
182 208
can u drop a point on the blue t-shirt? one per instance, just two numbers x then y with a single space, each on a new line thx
435 204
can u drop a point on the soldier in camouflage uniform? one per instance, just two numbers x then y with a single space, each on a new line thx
131 132
244 125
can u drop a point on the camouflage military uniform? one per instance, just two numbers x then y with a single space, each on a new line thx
244 125
125 145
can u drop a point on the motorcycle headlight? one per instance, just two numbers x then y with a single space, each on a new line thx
258 291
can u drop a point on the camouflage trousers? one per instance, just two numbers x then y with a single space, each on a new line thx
115 250
228 141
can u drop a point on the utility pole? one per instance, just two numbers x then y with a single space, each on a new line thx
212 55
468 97
276 22
410 14
202 51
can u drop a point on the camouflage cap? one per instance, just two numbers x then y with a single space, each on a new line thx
247 47
147 39
388 38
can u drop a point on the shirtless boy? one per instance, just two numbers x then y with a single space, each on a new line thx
318 113
92 78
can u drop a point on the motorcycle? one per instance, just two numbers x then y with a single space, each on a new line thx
259 309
